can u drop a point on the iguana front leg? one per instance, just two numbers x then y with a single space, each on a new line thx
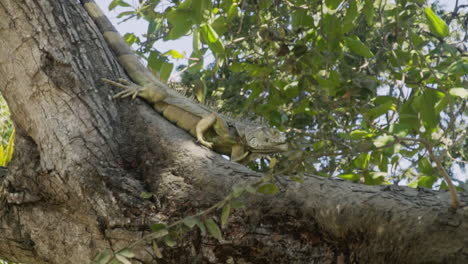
151 94
238 154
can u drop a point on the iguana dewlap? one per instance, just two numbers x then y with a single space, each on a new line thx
213 130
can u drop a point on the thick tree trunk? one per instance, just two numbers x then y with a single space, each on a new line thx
82 160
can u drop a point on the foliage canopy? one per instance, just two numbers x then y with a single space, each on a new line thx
365 89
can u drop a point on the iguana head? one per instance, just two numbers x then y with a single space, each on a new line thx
264 140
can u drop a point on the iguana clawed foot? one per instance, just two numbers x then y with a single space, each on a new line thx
130 89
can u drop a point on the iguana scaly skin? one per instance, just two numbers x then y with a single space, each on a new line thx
213 130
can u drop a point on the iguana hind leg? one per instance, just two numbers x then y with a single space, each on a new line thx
204 124
211 121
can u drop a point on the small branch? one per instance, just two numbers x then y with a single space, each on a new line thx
451 187
453 191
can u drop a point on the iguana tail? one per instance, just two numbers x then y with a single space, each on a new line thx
126 57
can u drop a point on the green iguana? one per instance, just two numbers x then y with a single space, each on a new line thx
219 132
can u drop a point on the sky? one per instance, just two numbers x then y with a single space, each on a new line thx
139 27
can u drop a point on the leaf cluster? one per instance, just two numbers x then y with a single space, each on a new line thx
348 80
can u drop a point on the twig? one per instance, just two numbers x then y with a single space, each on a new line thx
453 191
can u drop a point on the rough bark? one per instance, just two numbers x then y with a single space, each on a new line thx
82 160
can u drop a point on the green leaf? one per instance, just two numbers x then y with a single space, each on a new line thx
443 186
130 38
381 109
155 61
362 161
377 174
200 90
437 26
375 178
360 134
225 4
381 160
383 141
459 92
332 4
351 14
103 257
116 3
268 188
154 25
357 47
232 13
126 253
202 10
201 226
213 229
9 149
209 34
442 104
256 70
425 166
174 54
220 25
236 67
332 27
127 13
196 62
196 42
425 104
413 184
157 227
122 259
301 19
398 130
169 241
458 68
427 181
409 117
146 195
2 156
190 221
165 72
349 177
160 233
180 21
297 179
263 4
368 11
417 40
225 215
156 250
211 38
